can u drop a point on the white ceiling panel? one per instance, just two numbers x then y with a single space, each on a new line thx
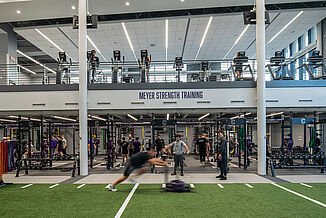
150 34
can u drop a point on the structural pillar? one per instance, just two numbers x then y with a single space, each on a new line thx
82 44
261 104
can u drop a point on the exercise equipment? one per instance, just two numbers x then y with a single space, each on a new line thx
116 65
174 185
63 71
315 66
278 68
93 64
240 66
144 66
178 65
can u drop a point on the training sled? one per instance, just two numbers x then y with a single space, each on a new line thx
175 185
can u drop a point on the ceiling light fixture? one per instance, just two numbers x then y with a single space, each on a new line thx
98 118
73 7
96 48
132 117
18 12
64 118
237 40
275 114
128 38
202 117
5 120
167 116
55 45
182 0
166 39
204 36
35 61
235 117
28 70
127 3
291 21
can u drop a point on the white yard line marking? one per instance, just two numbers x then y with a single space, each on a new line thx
219 185
81 186
124 205
249 185
300 195
54 186
309 186
163 186
26 186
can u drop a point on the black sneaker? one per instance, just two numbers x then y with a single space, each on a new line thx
181 174
223 178
220 176
173 174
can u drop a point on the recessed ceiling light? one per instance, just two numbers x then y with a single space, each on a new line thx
127 3
18 12
73 7
182 0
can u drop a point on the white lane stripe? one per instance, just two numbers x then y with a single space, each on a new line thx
81 186
249 185
309 186
219 185
26 186
124 205
53 186
300 195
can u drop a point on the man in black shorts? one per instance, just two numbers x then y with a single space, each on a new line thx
159 144
203 145
125 150
137 162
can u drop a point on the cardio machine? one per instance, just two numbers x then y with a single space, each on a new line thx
116 65
63 70
93 65
240 66
315 66
278 68
144 65
178 65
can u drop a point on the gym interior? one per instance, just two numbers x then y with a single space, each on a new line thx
87 87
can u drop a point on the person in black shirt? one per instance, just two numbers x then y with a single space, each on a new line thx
137 162
124 150
202 145
221 154
159 144
60 146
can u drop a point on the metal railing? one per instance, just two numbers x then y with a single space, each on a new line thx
161 71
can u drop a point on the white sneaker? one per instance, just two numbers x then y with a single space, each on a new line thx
112 188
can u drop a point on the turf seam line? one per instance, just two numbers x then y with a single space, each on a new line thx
125 203
249 185
219 185
309 186
300 195
26 186
81 186
53 186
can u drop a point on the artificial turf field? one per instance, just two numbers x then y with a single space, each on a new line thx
209 200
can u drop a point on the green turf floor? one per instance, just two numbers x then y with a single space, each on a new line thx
235 200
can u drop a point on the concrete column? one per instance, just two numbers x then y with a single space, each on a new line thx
82 44
261 105
8 55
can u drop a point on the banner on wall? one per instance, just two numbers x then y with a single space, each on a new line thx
158 95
